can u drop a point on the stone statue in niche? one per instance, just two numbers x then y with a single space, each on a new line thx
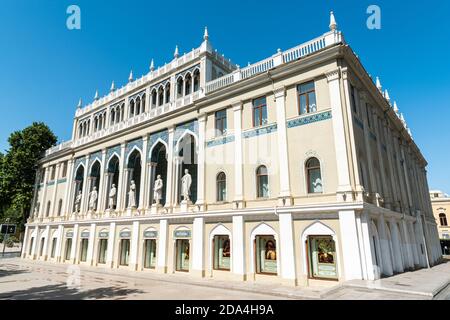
132 195
78 201
112 197
93 199
186 182
157 189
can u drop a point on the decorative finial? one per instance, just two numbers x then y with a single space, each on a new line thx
402 118
333 24
409 132
152 65
80 103
130 78
113 86
378 82
176 54
96 95
386 95
395 107
205 35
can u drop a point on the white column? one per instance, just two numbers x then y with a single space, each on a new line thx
396 243
238 248
385 248
42 204
45 249
25 248
144 172
163 239
101 201
134 246
35 243
372 270
198 261
55 191
371 183
287 253
340 143
408 244
350 245
59 242
386 192
69 187
111 242
120 186
283 161
238 156
170 165
74 249
90 251
201 161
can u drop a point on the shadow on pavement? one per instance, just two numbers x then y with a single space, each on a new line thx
62 292
6 273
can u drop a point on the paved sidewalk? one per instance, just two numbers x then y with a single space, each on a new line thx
420 284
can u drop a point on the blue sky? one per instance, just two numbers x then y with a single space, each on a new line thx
45 68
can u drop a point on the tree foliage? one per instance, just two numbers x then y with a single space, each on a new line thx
18 170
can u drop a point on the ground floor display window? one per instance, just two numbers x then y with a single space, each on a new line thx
41 251
102 247
52 253
68 249
222 254
83 250
182 258
30 251
150 253
266 255
322 257
124 252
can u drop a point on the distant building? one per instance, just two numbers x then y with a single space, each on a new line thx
294 168
440 202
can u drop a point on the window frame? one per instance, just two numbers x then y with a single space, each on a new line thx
224 181
258 175
214 262
308 175
220 120
260 108
443 219
257 254
306 94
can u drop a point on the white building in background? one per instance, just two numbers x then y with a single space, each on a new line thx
294 168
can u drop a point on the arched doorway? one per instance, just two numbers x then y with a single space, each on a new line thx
159 167
134 174
79 182
94 177
187 155
112 178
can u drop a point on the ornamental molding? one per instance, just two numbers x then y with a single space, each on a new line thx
139 94
332 75
280 92
237 106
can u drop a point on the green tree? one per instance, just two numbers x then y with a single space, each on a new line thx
18 170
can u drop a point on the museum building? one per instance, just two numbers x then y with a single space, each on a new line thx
294 169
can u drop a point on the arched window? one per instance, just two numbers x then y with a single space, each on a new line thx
143 103
153 98
180 87
160 96
196 80
138 106
313 176
221 187
262 182
188 84
167 89
60 207
47 213
113 116
443 219
132 108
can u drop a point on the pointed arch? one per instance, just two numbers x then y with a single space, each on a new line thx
159 140
262 229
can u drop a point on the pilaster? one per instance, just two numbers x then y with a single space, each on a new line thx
162 246
238 157
198 263
238 248
201 162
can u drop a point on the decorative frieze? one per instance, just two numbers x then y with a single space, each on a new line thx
180 130
131 144
220 141
260 131
304 120
112 150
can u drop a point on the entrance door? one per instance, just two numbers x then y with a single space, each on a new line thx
182 258
68 249
124 252
322 257
83 250
102 247
150 253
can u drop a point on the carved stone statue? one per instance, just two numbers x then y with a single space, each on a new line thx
36 210
93 199
157 189
186 182
132 195
112 197
78 201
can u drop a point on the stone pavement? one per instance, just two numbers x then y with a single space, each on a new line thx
26 279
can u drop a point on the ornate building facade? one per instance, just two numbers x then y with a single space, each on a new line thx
441 210
293 169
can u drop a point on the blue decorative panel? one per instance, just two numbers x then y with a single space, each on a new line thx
77 162
103 234
359 123
220 141
85 234
62 180
130 145
50 183
95 156
180 129
111 151
125 234
163 135
309 119
260 131
69 234
150 234
182 234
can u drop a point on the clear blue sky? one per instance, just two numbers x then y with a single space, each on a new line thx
45 68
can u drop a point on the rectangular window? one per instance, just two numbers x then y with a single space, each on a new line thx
266 255
259 112
352 92
182 259
222 254
307 98
68 249
150 253
53 173
124 252
83 250
368 112
64 170
102 247
52 254
221 122
30 251
322 257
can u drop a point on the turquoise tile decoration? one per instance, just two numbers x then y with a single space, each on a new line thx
220 141
304 120
260 131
